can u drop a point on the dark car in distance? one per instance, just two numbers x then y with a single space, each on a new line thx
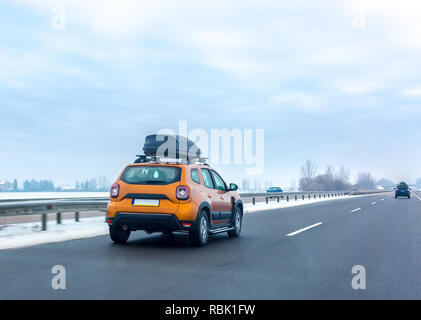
403 190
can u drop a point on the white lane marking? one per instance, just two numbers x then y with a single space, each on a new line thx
373 202
417 196
355 210
303 229
382 199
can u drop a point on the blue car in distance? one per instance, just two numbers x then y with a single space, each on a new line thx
274 189
403 190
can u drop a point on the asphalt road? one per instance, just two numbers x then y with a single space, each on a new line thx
271 260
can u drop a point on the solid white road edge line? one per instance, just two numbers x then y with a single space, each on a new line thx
374 202
303 229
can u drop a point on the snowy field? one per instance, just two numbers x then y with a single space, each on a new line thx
30 234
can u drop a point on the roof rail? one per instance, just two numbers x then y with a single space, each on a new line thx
155 159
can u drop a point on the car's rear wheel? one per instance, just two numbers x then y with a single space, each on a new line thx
237 224
199 234
119 235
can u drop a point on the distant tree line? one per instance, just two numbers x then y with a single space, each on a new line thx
332 180
100 183
38 185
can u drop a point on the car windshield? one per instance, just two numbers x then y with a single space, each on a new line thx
402 186
151 175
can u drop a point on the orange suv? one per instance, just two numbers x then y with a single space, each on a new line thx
157 196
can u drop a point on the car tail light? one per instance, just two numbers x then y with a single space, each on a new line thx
182 192
115 189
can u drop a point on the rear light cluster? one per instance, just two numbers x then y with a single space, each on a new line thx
182 192
115 189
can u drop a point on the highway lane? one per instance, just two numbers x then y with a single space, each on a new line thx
271 260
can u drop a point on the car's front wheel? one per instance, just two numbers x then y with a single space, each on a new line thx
237 224
199 235
119 235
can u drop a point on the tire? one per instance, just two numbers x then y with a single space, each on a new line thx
237 224
119 235
409 197
199 235
396 197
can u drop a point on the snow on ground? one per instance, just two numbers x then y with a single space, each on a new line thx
30 234
262 206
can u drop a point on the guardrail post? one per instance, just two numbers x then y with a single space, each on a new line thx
58 217
254 201
77 216
278 199
303 197
44 222
309 196
267 200
296 198
287 198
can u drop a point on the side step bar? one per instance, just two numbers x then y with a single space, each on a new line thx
219 230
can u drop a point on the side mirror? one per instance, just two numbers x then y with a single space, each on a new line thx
233 187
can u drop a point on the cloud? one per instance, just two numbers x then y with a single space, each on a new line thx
413 92
301 101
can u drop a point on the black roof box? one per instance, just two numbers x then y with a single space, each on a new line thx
172 146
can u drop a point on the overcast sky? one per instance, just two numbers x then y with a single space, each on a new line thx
333 81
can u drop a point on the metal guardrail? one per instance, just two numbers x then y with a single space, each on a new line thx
58 206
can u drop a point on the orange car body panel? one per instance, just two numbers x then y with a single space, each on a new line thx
220 201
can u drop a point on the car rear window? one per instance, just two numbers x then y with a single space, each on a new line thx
151 175
207 179
195 175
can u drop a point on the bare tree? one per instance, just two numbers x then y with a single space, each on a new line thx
365 181
343 175
308 172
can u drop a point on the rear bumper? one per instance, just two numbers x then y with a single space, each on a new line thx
150 222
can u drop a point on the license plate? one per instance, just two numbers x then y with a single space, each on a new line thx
145 202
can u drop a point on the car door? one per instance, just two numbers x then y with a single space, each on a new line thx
224 197
212 194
